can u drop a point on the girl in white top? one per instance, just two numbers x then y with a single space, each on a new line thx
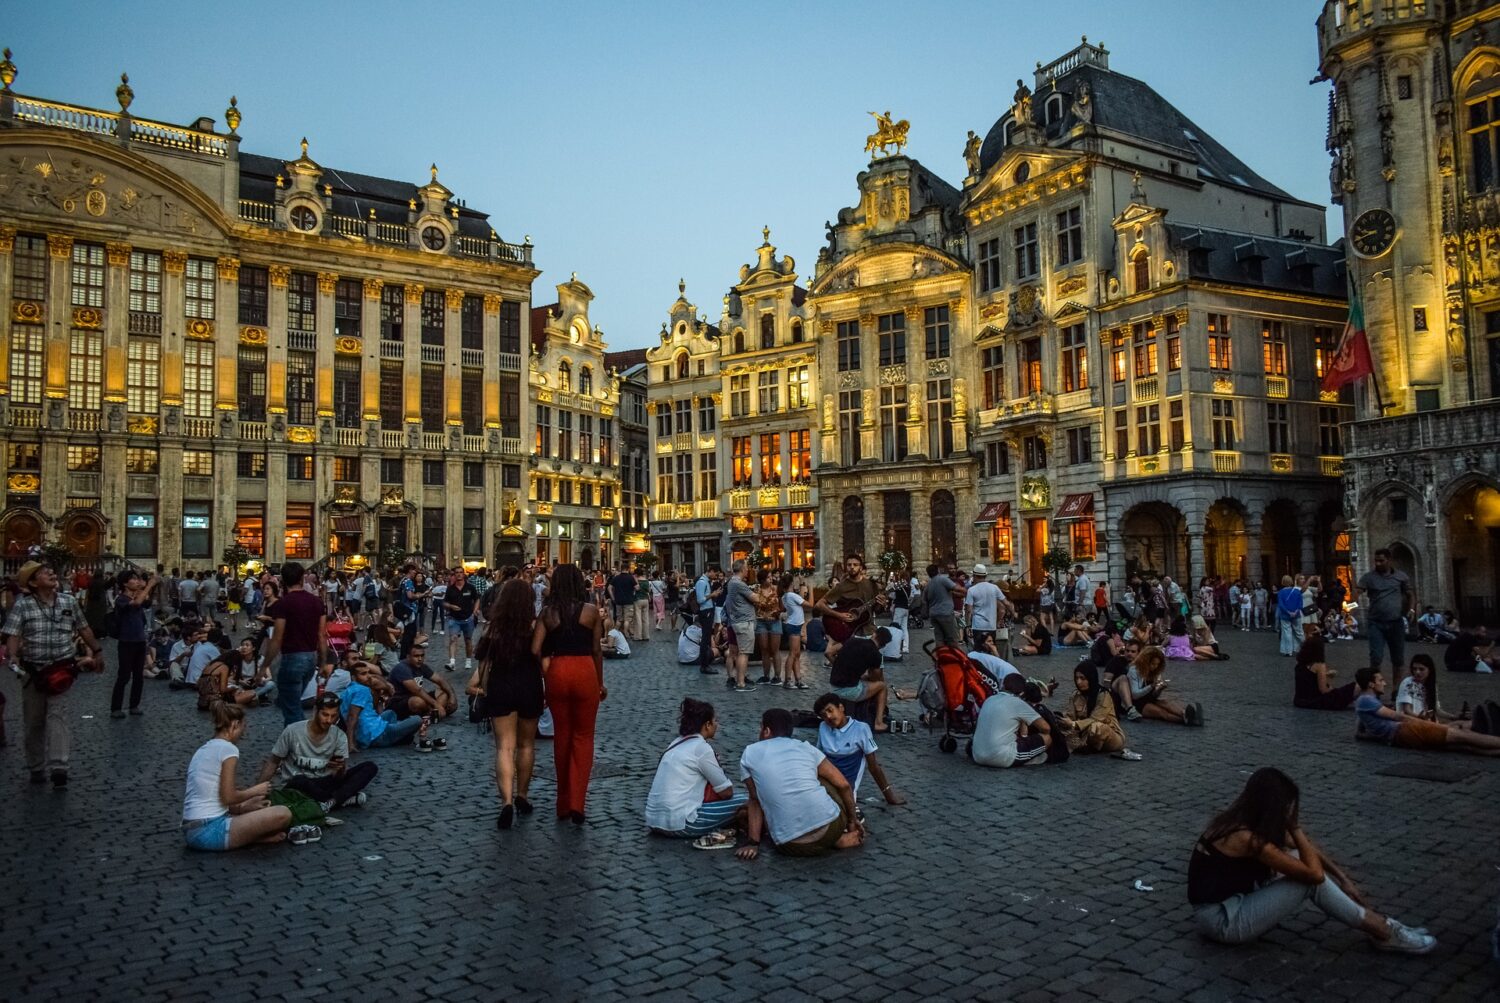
793 629
1417 695
676 806
216 816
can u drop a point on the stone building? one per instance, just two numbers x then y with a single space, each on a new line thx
635 452
574 466
205 347
684 395
1414 132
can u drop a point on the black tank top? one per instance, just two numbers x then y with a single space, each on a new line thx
571 638
1214 876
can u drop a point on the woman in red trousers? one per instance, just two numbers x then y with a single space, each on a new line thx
566 639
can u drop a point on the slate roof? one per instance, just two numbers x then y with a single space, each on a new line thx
1132 107
1229 257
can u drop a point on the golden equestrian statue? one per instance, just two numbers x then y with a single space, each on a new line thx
887 134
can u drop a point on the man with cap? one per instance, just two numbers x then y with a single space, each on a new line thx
986 604
41 631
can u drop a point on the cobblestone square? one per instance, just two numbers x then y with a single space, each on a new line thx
1014 885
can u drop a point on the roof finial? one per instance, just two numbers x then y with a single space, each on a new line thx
7 72
1085 40
574 277
1137 190
765 233
434 173
304 147
123 93
232 114
682 287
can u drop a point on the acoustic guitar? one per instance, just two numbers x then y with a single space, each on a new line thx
840 630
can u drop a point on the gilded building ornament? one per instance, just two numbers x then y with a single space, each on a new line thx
200 330
141 424
117 254
279 274
414 293
373 288
955 306
300 434
26 312
327 282
892 375
938 367
992 311
492 304
867 320
88 318
826 327
913 315
229 269
347 345
848 380
7 239
454 298
25 484
175 262
252 336
60 245
1072 284
887 134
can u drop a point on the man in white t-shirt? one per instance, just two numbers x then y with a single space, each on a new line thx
985 602
1009 731
792 789
614 644
687 644
994 664
892 641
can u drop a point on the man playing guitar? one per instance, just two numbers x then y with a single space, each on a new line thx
848 608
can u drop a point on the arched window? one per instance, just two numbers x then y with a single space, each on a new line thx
1482 123
796 332
585 380
1054 109
767 331
739 341
682 365
944 527
1006 130
564 375
853 526
1141 272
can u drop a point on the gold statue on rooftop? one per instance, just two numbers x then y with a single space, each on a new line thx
887 134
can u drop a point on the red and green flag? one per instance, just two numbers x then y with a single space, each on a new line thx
1351 361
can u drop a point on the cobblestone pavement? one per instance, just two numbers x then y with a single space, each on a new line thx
1014 885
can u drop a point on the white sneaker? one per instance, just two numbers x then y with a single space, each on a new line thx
1406 939
468 664
450 665
359 800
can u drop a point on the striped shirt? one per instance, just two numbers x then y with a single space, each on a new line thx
48 632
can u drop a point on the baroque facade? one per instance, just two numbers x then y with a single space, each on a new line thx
1414 133
207 348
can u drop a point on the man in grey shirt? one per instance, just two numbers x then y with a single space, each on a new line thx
1388 598
208 596
939 594
739 617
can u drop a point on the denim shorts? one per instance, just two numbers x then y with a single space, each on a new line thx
768 627
464 627
855 692
206 833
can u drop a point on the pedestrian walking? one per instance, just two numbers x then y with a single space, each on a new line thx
567 640
132 599
299 635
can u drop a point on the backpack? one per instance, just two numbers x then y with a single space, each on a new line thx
930 694
690 602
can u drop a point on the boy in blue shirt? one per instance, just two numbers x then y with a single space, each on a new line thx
850 746
1380 723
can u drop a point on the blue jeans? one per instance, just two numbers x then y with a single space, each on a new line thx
291 679
396 732
1387 634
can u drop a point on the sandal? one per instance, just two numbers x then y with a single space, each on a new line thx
714 841
1127 755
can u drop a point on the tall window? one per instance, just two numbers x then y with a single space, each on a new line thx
798 387
663 420
989 265
299 466
1483 129
471 400
1174 343
770 458
140 528
199 279
302 302
607 443
143 375
348 307
684 477
665 491
891 328
145 291
848 345
392 396
88 274
849 420
1080 445
1273 347
996 459
585 381
543 430
254 291
739 395
250 382
767 331
936 331
1220 351
565 435
743 465
1069 236
1034 452
301 384
1028 263
1143 338
29 268
1278 429
565 376
1330 435
86 370
1119 366
346 391
939 419
893 423
510 327
431 398
1122 433
471 322
1176 434
799 445
992 373
198 379
708 475
434 316
28 357
392 313
769 387
682 418
1031 366
1225 434
1140 270
1148 429
1075 358
1325 344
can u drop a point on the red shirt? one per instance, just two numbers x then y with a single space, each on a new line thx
302 612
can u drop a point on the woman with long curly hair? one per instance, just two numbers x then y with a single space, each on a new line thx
508 681
567 640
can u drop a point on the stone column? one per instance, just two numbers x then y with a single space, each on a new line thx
59 318
1197 559
1307 522
1117 576
225 500
173 316
369 374
869 432
874 527
169 503
323 396
7 247
916 443
275 501
225 329
1252 550
453 507
411 370
960 415
921 527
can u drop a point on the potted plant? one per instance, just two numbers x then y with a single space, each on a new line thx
1057 561
647 562
891 560
757 560
58 556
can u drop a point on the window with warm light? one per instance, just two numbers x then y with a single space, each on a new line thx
1075 358
770 458
1143 346
893 423
1274 347
1220 351
992 375
743 465
799 444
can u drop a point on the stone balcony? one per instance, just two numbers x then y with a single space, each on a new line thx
1425 431
1343 21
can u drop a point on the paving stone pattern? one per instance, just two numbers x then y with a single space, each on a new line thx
1006 885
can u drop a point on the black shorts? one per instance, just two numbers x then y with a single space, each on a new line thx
400 704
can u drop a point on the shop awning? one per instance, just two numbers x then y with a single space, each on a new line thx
347 524
1076 506
993 513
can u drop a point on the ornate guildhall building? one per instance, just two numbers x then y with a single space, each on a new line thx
207 348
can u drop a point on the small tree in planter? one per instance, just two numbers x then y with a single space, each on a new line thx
58 556
1057 561
755 560
235 556
891 560
392 556
646 562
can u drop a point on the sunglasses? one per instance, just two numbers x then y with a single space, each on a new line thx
327 700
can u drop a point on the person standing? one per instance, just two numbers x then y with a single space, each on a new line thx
299 636
622 597
703 613
987 603
187 595
857 586
567 640
459 603
739 617
42 631
1083 589
1388 601
1289 616
508 682
939 594
132 597
208 596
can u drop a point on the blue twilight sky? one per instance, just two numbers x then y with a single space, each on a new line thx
640 142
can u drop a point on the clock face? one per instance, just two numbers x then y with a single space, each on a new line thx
434 238
304 218
1373 232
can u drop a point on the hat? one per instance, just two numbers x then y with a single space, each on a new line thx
981 570
1198 623
24 576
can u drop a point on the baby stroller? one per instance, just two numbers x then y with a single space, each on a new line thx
916 612
953 691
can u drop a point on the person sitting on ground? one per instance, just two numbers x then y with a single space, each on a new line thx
850 746
216 816
1313 683
1254 867
892 643
1205 644
796 794
1089 722
216 682
332 677
1108 655
1473 650
1009 731
1138 693
411 699
856 676
1036 694
688 641
383 643
1077 631
1034 639
613 644
311 757
679 805
365 724
1431 627
1180 643
1417 695
1379 723
993 663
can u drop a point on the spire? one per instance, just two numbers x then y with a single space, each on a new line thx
232 115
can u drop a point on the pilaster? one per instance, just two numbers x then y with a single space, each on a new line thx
491 379
275 524
173 313
327 282
59 318
369 374
874 527
7 248
116 320
453 301
276 348
921 527
226 340
169 502
411 369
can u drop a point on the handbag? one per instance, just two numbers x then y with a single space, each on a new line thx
55 679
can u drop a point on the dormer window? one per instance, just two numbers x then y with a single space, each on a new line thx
304 218
682 366
1140 267
739 341
1054 109
767 330
585 380
796 332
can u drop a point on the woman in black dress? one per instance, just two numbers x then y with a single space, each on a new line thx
508 681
